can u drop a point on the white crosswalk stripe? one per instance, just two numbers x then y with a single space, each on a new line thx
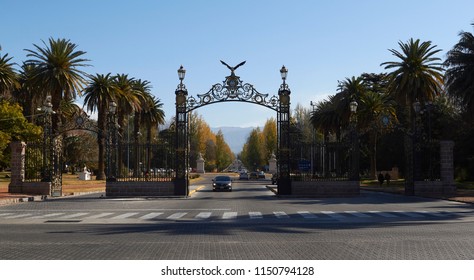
409 214
99 216
281 215
5 214
176 216
151 215
333 215
255 215
383 214
203 215
307 215
47 216
125 216
436 214
229 215
75 215
18 216
357 214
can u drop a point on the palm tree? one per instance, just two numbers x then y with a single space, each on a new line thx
97 95
58 72
127 99
418 74
350 90
142 91
8 76
29 95
151 116
326 117
373 106
460 72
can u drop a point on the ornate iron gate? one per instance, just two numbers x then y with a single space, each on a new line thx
232 89
44 159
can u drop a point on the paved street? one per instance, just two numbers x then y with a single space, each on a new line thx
248 223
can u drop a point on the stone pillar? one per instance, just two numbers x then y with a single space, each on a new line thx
17 167
272 164
447 166
200 164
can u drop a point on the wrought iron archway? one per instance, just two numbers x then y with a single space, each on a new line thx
232 89
50 168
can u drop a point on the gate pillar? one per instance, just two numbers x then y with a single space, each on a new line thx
283 126
17 167
181 141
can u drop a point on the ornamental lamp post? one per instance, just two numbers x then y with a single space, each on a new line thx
283 126
111 147
354 141
283 73
181 140
181 74
47 139
353 106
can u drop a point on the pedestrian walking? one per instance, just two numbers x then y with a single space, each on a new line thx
381 178
387 178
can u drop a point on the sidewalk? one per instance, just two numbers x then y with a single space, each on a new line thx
462 195
68 190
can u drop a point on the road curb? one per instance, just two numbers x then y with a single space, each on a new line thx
196 189
9 201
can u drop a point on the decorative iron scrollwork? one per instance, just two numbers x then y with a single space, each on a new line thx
232 89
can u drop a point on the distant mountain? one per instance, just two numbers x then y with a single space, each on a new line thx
234 136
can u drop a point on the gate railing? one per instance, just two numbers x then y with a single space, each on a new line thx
330 162
145 162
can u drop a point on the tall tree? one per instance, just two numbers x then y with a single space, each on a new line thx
128 100
460 72
270 138
224 155
58 71
8 76
97 95
418 75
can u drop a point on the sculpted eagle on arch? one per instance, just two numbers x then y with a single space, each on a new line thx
232 69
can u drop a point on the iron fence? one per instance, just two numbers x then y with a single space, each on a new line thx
145 162
35 163
322 162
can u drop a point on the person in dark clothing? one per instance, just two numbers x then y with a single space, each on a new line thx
387 178
381 178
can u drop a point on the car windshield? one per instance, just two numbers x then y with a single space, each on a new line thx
222 178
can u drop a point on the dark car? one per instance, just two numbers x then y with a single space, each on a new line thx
253 176
222 183
244 176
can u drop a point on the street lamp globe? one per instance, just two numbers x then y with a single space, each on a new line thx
417 106
353 106
181 73
284 73
112 107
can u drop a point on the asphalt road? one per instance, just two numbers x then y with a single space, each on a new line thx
248 223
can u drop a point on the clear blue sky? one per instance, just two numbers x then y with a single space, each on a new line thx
320 42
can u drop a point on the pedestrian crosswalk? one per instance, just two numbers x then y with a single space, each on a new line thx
219 214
